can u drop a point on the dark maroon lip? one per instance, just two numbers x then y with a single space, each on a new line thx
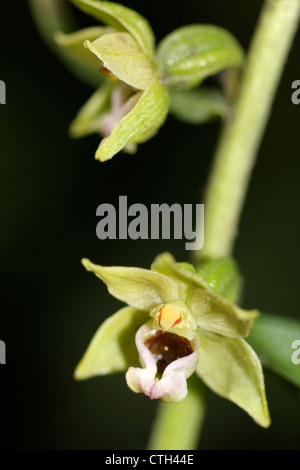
167 347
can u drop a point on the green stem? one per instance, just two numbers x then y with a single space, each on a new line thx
177 424
239 142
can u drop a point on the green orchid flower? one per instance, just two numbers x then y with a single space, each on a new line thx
142 83
178 321
132 105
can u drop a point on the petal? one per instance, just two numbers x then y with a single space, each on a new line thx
166 264
122 55
183 272
140 288
230 367
142 380
172 387
192 53
149 113
214 313
112 348
88 119
121 18
71 46
111 119
211 311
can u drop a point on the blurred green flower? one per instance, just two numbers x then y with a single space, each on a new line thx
134 102
131 107
177 324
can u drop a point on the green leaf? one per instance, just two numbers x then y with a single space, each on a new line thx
272 338
147 115
122 55
230 367
88 118
192 53
140 288
198 106
120 18
72 47
223 277
215 313
112 348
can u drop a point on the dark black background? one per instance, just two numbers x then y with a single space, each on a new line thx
50 189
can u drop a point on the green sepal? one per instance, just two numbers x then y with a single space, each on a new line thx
165 264
50 17
112 348
87 120
147 116
230 367
140 288
122 55
273 338
198 106
145 136
223 277
192 53
120 18
72 47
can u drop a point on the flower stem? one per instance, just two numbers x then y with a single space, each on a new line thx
240 139
177 424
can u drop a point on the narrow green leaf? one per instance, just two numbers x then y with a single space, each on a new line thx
230 367
140 288
72 46
88 118
122 55
192 53
112 348
147 115
198 106
273 338
223 277
121 18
